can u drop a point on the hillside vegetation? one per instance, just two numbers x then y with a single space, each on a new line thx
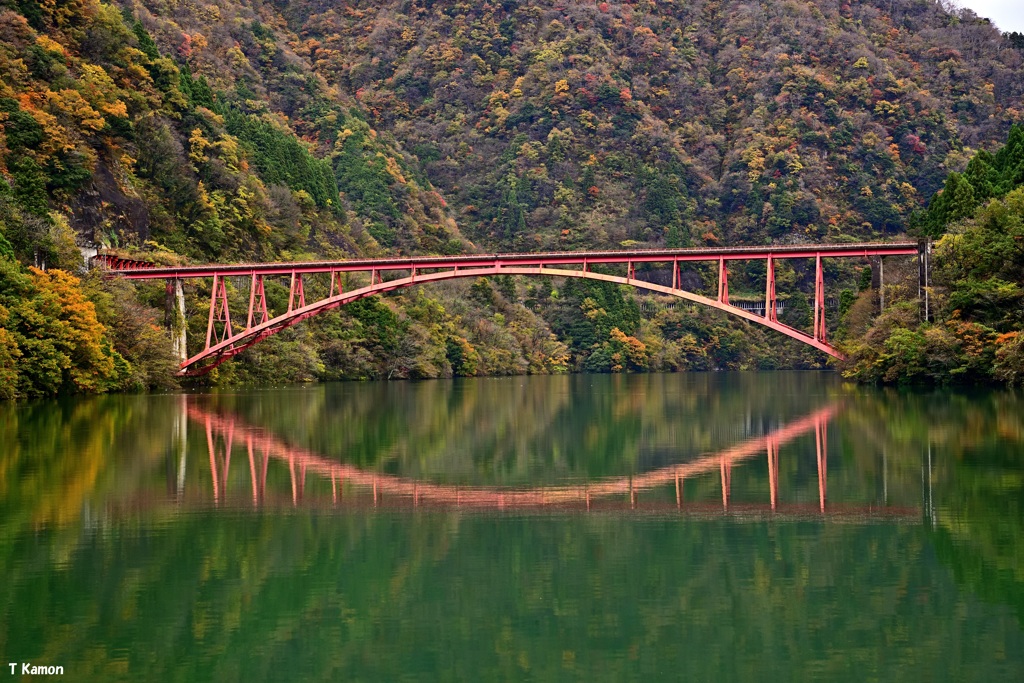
592 123
975 330
228 131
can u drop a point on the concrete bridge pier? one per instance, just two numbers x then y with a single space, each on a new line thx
924 275
174 317
878 282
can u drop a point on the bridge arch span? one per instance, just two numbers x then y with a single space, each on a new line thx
223 342
213 356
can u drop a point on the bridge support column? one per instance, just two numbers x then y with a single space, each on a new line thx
257 302
723 282
820 328
297 295
878 281
219 313
923 267
174 318
337 283
769 292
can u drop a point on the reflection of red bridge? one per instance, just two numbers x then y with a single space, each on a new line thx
223 433
225 339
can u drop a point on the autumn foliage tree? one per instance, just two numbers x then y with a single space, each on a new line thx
51 326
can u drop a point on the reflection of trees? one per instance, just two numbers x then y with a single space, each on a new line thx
980 522
58 455
519 432
976 441
359 597
365 596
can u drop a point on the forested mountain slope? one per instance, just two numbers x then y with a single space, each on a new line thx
281 130
588 123
117 132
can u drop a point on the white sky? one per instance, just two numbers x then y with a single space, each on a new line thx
1008 15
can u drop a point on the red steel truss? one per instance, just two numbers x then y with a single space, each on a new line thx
385 275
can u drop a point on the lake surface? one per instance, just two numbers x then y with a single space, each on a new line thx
720 526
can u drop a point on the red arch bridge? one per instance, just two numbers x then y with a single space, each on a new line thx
347 281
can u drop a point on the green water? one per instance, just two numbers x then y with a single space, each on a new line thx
542 528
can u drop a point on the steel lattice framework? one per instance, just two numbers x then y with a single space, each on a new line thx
225 338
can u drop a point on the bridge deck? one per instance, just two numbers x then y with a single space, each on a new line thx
145 271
